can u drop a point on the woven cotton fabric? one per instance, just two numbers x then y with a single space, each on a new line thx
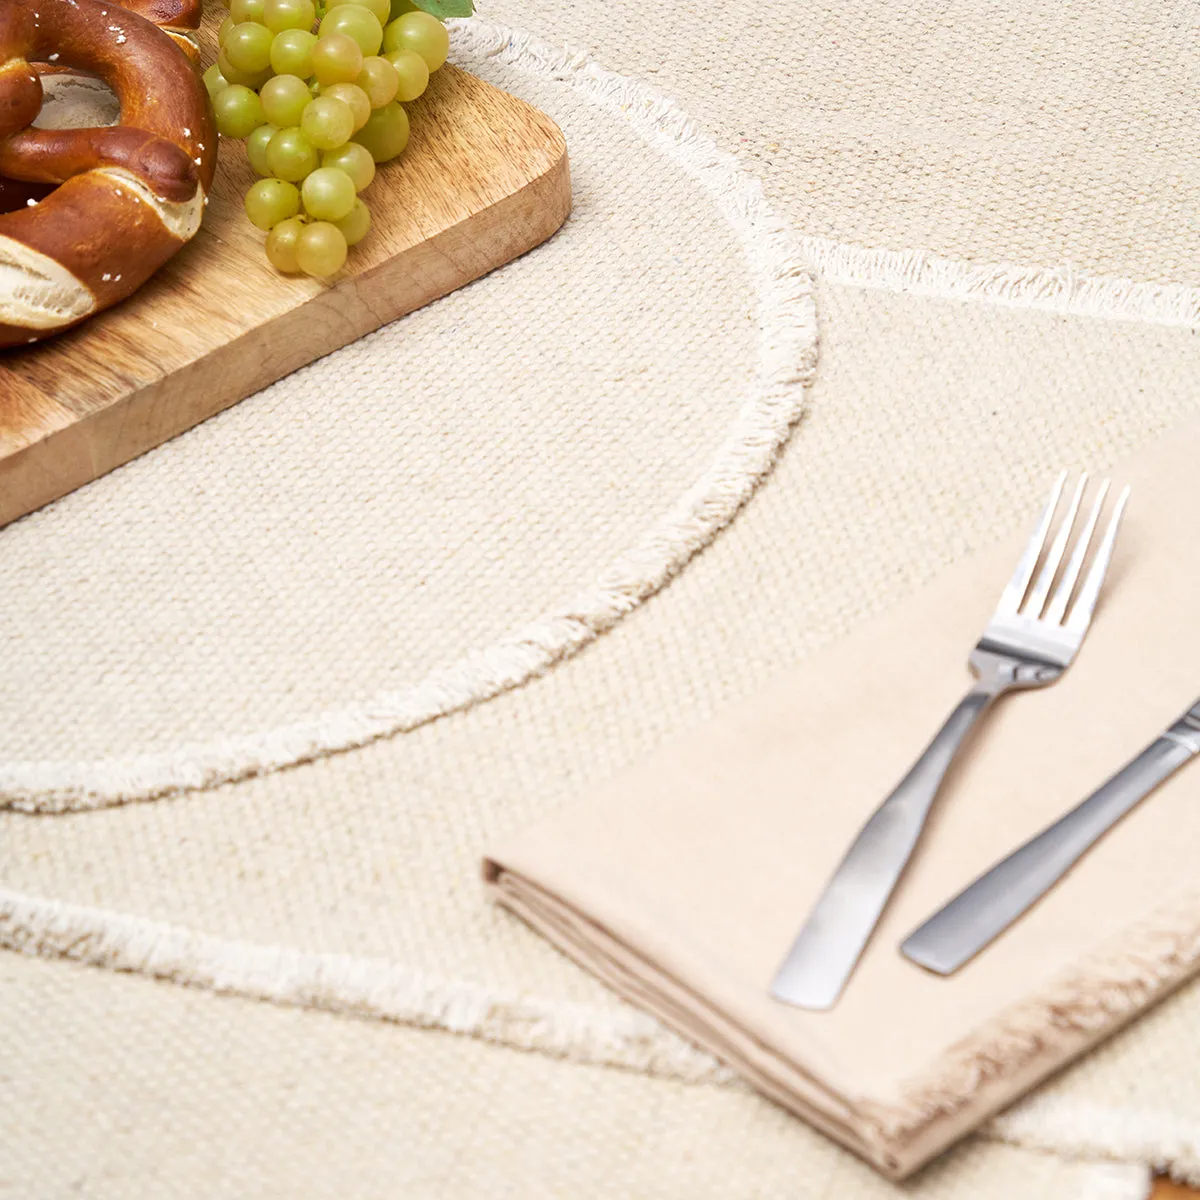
295 1104
994 303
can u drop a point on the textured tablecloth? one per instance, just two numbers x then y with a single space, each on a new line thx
472 513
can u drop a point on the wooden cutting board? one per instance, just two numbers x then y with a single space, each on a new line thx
484 179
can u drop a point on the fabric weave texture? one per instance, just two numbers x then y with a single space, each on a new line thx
999 205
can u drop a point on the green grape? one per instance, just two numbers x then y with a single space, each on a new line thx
256 148
420 32
284 99
270 201
357 22
281 245
386 133
223 30
291 156
328 194
291 52
279 15
321 249
400 7
336 59
328 122
412 73
252 80
356 223
379 80
214 80
248 47
237 110
246 10
381 8
355 99
355 161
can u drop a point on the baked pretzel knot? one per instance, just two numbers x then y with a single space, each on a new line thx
180 18
127 196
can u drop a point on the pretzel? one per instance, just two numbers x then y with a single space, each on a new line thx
124 198
179 18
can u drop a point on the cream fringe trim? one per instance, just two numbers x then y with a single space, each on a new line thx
343 983
1007 285
1092 1001
1162 1140
378 990
787 349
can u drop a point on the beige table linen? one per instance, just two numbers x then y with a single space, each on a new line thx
682 881
189 1096
998 204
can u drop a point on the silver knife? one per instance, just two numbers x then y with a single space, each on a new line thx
982 911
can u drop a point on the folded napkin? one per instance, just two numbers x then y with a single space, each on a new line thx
683 881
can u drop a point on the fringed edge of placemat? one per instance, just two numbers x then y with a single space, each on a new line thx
372 988
1032 1039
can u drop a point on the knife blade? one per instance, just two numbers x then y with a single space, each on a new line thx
984 909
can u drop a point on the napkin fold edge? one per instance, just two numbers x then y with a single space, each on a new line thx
972 1080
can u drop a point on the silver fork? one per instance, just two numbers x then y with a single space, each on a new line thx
1032 638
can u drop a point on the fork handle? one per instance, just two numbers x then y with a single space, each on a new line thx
837 931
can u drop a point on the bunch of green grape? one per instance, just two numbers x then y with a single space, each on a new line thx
316 91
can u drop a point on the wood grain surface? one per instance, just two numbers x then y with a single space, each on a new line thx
485 178
1164 1189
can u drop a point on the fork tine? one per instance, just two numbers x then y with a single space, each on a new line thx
1041 589
1066 588
1081 611
1018 585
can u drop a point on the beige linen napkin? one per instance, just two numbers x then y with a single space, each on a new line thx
683 881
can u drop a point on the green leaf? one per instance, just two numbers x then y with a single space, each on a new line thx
446 8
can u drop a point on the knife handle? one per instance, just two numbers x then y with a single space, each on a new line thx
977 915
